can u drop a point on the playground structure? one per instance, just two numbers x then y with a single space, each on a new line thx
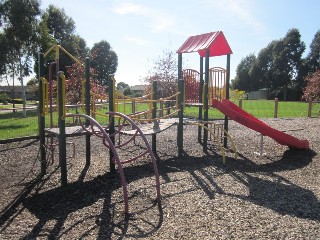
88 126
209 85
215 86
153 121
207 45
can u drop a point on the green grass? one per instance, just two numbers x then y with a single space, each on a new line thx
13 125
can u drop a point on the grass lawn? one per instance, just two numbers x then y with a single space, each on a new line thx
13 125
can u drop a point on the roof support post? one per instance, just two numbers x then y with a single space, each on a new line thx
205 101
180 106
200 98
226 127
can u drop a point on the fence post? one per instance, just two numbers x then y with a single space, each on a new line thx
309 108
275 115
240 103
133 106
161 107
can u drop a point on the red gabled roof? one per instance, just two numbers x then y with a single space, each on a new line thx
214 41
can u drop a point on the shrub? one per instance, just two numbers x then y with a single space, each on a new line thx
4 97
237 94
16 101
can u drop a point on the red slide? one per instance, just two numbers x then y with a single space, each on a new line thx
239 115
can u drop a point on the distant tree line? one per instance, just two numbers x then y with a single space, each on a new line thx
281 69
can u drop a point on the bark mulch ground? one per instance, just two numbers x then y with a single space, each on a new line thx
276 196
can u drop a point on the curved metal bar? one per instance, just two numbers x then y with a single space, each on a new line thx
101 132
115 154
153 159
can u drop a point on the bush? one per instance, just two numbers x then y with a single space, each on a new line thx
4 97
237 94
16 101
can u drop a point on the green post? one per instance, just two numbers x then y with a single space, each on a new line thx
41 120
205 103
200 98
154 115
226 119
87 106
180 106
111 120
62 132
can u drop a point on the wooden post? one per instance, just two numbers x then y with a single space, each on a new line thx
309 108
240 103
275 114
161 108
133 106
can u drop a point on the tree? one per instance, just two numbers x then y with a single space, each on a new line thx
33 87
104 61
262 69
293 50
313 58
58 28
74 85
165 71
312 90
278 66
127 91
18 38
122 86
244 80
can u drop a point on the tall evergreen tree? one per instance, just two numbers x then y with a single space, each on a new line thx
313 58
104 61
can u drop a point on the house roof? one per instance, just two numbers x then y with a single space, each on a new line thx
17 88
139 88
215 42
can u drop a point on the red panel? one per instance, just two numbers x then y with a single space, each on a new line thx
214 41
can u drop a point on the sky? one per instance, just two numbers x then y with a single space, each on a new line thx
139 31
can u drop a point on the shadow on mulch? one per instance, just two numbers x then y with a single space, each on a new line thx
281 195
58 203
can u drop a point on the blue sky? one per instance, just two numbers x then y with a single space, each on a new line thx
140 30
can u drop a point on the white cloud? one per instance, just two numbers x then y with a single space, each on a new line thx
160 21
242 10
135 40
127 8
239 12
